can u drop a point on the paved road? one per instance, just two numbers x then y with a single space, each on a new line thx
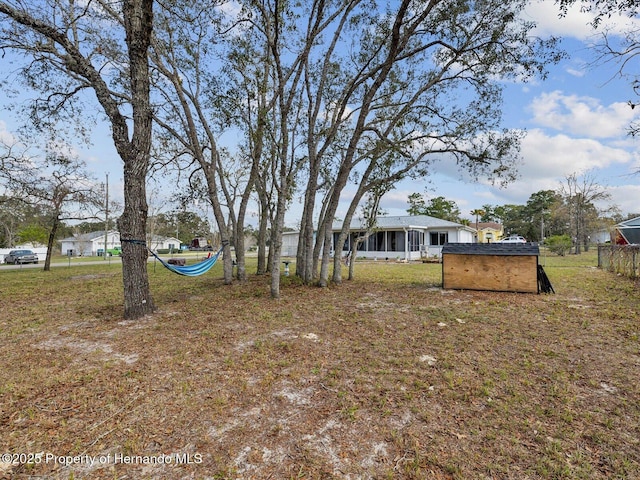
73 263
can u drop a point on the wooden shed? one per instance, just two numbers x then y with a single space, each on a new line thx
502 267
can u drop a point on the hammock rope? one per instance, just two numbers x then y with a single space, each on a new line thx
186 270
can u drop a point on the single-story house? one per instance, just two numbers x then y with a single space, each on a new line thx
489 232
157 242
627 232
88 244
407 237
600 236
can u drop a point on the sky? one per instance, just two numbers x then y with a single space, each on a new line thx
575 120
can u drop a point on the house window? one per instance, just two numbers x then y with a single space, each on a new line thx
395 241
414 240
374 243
371 243
438 238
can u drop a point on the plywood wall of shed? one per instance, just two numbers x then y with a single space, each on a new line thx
502 273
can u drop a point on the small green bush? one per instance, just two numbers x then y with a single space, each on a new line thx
559 244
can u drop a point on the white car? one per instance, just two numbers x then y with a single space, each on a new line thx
513 239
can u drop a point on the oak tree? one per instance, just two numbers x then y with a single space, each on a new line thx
66 43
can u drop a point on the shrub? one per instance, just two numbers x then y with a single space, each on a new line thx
559 244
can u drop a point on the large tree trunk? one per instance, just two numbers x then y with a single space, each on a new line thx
275 249
324 265
138 18
132 227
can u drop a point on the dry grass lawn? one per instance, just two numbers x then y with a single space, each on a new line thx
387 376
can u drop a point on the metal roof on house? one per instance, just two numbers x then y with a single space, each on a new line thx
632 222
529 248
87 237
400 222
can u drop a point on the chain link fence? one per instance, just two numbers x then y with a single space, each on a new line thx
620 259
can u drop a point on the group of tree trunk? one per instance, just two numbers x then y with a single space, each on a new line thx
326 103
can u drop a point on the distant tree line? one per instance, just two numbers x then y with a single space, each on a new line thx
570 211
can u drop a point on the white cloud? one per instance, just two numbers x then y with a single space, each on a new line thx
575 72
626 197
582 115
6 136
546 15
398 199
556 156
549 159
589 137
575 24
231 9
577 67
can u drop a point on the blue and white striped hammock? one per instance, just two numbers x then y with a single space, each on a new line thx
191 270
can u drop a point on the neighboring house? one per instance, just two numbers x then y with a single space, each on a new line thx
405 237
627 232
395 238
600 236
489 232
156 242
88 244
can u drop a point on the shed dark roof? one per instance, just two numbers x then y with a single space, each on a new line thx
529 248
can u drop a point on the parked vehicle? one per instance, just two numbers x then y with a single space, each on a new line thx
200 244
110 252
513 239
21 256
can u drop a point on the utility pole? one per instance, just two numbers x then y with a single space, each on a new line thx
106 216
